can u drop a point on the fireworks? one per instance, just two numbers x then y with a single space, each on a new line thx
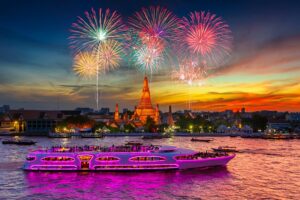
204 35
85 65
200 40
154 28
96 28
190 72
109 55
148 58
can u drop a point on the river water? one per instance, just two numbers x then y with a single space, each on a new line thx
264 169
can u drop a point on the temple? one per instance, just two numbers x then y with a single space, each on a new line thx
145 108
142 111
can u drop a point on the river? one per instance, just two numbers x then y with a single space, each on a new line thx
264 169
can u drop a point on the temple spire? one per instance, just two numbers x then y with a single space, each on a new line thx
145 108
145 101
170 117
117 117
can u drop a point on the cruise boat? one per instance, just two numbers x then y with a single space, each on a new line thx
120 158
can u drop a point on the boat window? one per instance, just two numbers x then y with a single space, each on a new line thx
30 158
107 158
58 158
147 158
185 157
85 157
56 167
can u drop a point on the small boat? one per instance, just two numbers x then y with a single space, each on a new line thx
133 143
91 135
201 140
122 158
59 135
225 149
145 137
19 142
233 135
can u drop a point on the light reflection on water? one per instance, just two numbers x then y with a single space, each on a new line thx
263 169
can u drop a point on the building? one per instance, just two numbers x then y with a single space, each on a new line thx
104 111
293 117
279 125
4 109
84 111
145 108
36 121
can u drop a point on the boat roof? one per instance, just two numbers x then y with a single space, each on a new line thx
116 149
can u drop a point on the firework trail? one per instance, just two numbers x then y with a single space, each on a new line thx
204 36
154 31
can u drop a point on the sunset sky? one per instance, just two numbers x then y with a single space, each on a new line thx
262 72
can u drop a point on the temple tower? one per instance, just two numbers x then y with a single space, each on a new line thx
145 108
116 116
157 115
170 117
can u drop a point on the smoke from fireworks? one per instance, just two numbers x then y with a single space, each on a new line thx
190 72
154 29
85 65
95 28
205 36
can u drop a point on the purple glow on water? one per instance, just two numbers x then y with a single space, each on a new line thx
116 185
264 169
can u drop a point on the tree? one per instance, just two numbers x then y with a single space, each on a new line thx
129 128
149 125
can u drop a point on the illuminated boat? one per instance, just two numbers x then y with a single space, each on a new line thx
118 158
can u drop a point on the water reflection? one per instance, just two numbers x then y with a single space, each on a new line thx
89 185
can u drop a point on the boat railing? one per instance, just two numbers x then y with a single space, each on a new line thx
124 148
201 155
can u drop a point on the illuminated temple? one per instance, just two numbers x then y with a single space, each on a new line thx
144 108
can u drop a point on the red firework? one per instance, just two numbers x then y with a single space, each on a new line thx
205 35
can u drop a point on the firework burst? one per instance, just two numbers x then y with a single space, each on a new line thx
95 28
85 65
154 31
109 55
205 36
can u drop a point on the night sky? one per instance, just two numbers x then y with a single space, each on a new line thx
262 73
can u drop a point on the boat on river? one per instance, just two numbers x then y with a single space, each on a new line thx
19 142
201 140
225 149
122 158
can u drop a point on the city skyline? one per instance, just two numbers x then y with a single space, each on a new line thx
262 72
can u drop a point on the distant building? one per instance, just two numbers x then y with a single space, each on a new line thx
279 125
125 110
105 118
104 111
228 113
243 110
84 111
69 113
293 117
4 109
